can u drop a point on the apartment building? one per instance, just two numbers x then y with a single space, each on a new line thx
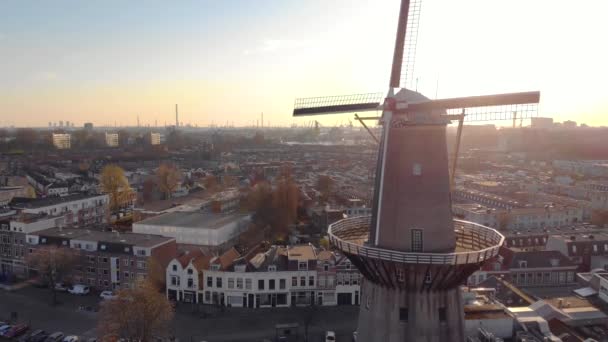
549 216
277 277
111 139
107 260
155 138
588 250
546 268
80 210
13 230
62 141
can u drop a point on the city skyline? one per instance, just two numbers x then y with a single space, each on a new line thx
110 62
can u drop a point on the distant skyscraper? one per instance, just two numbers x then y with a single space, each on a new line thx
60 123
176 117
67 124
88 126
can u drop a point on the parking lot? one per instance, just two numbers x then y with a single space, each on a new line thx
191 323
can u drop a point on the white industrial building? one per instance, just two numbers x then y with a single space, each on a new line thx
195 228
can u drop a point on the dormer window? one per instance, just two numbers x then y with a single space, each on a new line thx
523 264
215 267
554 262
302 266
272 268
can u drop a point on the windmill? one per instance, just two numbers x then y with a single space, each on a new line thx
411 251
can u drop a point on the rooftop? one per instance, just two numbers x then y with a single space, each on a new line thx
141 240
597 236
301 253
193 219
34 203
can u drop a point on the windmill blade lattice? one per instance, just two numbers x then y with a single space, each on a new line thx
353 103
495 113
411 40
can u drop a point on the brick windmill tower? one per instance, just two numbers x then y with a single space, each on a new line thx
413 254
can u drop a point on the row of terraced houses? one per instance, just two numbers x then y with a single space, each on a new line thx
275 277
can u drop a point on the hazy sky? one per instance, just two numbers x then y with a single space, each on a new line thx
228 60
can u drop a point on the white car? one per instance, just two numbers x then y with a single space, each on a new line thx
79 289
330 336
4 328
107 295
71 338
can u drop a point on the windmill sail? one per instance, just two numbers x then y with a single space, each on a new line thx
354 103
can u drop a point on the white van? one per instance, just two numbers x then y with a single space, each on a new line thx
79 289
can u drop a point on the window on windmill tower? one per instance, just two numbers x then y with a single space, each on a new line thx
417 243
403 314
400 275
442 315
417 169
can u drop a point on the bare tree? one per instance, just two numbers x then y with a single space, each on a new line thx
210 183
325 185
167 178
138 314
52 263
285 201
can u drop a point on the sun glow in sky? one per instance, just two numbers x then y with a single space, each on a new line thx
227 61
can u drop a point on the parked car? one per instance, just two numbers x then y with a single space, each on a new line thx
61 287
107 295
4 328
39 338
55 337
71 338
79 289
16 330
31 336
330 336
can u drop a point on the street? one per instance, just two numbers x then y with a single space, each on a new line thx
191 323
